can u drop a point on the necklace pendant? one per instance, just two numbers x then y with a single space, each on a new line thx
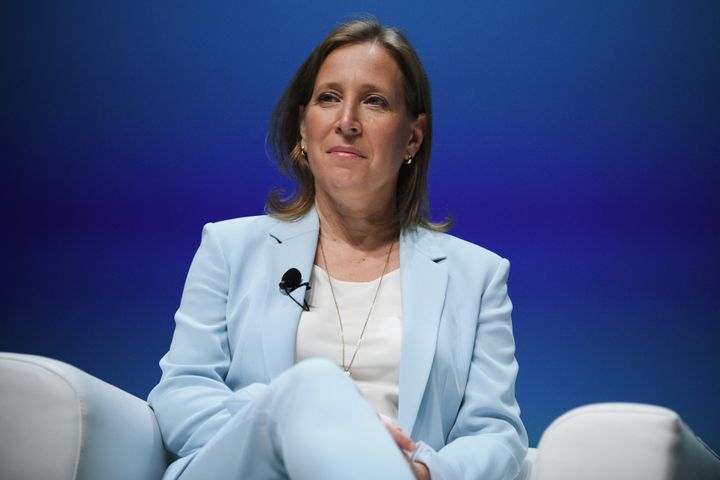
348 373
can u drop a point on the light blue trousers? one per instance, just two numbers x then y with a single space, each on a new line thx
311 423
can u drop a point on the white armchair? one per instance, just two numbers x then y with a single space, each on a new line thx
58 422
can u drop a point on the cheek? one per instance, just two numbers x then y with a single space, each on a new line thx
395 140
306 127
314 124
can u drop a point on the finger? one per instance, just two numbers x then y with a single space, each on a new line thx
397 436
403 441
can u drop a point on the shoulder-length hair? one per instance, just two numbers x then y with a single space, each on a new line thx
413 207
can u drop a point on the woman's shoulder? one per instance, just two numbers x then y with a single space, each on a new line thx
232 226
456 253
233 232
243 232
452 244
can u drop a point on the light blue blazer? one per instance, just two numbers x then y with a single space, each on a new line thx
235 332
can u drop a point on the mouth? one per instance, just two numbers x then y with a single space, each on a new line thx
346 151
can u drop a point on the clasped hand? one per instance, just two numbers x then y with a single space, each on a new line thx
406 445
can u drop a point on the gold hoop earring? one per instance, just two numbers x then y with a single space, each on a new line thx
298 153
409 159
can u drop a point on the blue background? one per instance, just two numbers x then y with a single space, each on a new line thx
581 141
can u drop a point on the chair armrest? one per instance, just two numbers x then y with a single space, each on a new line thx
57 421
527 466
622 441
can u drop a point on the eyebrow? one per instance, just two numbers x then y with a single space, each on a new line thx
365 87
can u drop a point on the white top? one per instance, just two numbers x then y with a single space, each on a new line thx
376 366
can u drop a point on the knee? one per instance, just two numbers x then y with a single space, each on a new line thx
312 369
317 390
316 377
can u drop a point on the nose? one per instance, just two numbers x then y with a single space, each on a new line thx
348 124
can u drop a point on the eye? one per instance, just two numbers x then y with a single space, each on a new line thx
326 97
376 101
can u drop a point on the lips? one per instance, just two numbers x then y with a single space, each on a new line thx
346 151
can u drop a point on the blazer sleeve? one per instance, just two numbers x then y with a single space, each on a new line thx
488 440
191 397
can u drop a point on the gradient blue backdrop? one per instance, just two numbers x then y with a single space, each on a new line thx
580 141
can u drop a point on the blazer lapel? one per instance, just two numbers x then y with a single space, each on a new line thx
290 245
423 280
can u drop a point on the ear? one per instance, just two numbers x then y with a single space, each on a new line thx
417 134
301 118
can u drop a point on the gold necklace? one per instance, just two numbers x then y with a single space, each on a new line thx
346 368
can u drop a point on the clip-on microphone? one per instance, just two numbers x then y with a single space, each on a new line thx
291 281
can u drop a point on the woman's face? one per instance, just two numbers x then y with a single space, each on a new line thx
355 128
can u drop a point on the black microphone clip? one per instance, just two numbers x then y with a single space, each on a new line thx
291 281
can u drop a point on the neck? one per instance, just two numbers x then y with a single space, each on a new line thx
365 228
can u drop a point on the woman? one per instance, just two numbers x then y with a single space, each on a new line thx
343 335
